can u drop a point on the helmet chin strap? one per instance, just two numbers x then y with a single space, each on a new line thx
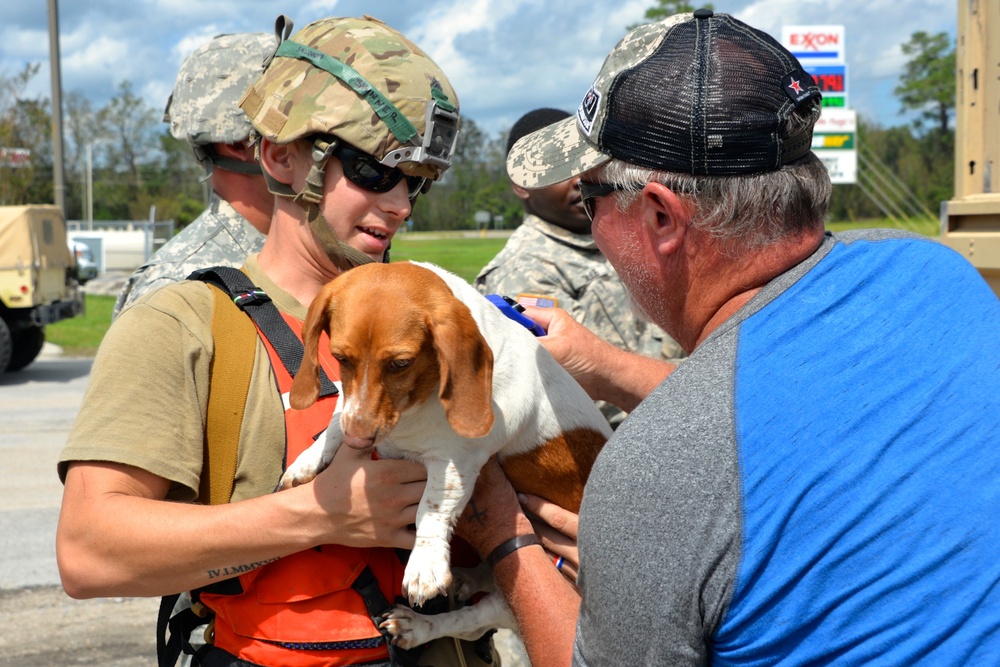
342 255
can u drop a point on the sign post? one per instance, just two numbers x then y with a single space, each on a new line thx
820 49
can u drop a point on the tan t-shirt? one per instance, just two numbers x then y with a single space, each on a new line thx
147 399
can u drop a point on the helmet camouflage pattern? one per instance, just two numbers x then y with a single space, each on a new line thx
364 83
204 106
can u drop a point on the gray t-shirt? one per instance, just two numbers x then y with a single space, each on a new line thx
817 483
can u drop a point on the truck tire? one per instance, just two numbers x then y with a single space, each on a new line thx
27 345
6 346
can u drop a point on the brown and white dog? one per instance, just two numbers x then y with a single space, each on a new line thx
432 371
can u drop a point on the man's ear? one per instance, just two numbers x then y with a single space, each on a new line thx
239 152
278 160
521 193
665 217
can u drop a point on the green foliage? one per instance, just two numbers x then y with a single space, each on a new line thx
924 165
927 84
664 8
24 124
477 181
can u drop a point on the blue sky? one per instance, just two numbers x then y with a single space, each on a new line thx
502 56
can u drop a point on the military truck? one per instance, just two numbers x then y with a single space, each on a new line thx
38 284
970 222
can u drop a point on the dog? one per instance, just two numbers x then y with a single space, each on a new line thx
432 371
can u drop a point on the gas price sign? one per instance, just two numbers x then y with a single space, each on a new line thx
829 78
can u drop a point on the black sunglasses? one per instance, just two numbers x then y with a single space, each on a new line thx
591 191
367 172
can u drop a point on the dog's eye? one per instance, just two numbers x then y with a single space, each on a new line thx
342 360
400 364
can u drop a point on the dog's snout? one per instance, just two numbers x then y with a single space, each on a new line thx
355 442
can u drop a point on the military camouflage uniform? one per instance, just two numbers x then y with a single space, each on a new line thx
543 260
218 237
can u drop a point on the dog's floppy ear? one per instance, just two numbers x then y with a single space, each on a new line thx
466 365
305 384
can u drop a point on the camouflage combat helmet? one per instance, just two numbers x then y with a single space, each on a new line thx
366 84
204 106
357 81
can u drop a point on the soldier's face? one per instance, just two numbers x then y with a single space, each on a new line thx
560 205
363 219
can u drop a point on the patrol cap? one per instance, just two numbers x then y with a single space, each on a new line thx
532 121
699 93
366 84
204 106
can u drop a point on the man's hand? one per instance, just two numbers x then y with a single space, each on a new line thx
370 503
574 346
605 372
557 529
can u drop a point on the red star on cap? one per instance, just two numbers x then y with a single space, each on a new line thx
794 85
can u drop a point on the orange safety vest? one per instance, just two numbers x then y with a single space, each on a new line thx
306 609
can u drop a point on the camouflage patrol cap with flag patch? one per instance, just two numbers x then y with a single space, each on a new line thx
699 93
204 106
364 83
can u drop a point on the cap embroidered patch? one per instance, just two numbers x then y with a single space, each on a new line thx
797 85
537 301
588 110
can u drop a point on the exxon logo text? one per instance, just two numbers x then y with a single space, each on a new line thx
814 41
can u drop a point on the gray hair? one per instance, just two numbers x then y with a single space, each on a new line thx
745 211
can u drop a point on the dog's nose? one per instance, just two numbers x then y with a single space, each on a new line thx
358 443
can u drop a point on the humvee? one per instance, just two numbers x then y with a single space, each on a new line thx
38 283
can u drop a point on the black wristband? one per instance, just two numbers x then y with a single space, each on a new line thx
509 547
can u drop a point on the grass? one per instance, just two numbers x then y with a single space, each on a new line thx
458 252
81 336
927 227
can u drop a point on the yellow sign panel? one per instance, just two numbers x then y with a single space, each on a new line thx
841 140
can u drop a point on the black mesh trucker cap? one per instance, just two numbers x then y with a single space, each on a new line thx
698 93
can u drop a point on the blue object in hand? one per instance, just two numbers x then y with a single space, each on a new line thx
514 311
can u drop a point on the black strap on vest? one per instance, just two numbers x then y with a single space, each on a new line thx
257 304
366 585
180 625
173 631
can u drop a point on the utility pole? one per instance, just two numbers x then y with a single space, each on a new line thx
58 174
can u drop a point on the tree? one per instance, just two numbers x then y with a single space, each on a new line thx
83 129
927 84
133 143
476 181
664 8
24 125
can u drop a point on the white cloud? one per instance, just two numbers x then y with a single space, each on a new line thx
503 57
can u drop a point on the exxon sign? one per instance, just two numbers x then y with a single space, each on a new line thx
815 44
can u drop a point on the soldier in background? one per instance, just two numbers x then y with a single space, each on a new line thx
552 260
204 111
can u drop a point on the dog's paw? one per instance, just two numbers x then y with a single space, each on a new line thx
427 574
472 580
309 464
408 628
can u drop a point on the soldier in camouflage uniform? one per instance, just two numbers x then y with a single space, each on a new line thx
352 122
203 110
551 259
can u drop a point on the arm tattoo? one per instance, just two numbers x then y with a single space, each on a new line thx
476 515
234 570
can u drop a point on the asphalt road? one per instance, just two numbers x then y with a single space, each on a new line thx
41 625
